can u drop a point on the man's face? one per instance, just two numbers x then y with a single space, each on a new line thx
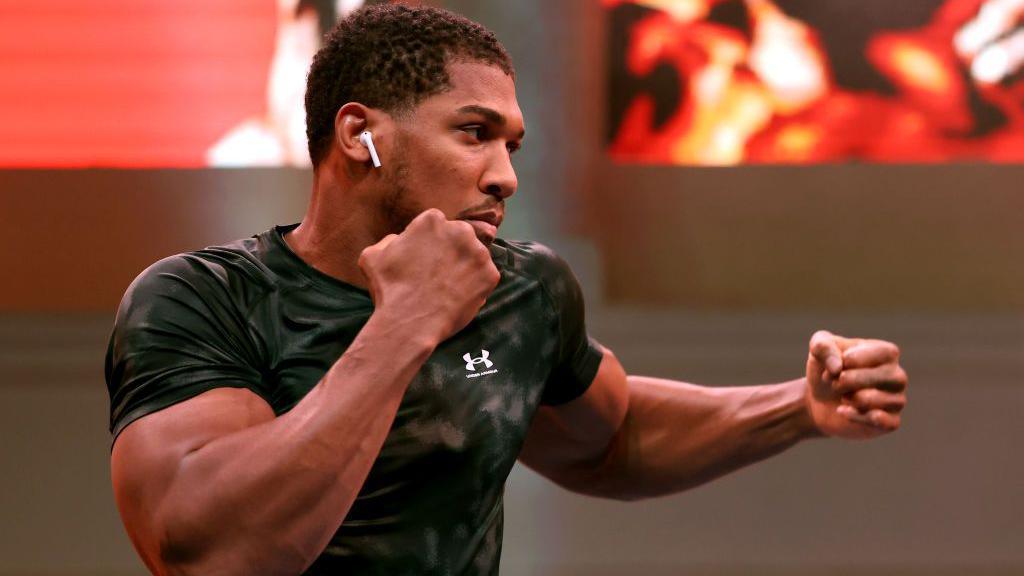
453 152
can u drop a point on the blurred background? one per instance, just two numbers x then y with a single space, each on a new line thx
724 176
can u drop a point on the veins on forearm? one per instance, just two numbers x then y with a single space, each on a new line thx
677 436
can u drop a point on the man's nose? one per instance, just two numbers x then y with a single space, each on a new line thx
500 178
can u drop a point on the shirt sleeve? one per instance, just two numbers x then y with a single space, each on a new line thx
578 355
180 331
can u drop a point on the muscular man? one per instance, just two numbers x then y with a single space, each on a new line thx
348 395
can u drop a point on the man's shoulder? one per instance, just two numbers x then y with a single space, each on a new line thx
535 261
526 255
235 270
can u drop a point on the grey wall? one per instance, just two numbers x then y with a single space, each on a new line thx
942 496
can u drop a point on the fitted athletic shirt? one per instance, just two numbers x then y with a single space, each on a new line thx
253 315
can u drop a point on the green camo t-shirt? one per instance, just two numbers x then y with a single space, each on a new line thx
253 315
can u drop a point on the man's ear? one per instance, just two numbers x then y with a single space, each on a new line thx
352 120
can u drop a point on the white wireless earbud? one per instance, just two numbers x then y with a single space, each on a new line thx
367 139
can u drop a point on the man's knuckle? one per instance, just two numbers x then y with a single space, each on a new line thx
901 376
880 418
367 256
429 219
896 377
461 229
852 379
893 422
819 340
865 398
892 351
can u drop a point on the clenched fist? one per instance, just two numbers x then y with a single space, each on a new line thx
856 387
433 277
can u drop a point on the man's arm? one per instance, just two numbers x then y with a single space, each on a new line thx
631 437
218 485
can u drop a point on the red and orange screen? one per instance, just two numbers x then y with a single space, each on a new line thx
133 83
724 82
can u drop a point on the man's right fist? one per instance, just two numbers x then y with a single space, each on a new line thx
434 276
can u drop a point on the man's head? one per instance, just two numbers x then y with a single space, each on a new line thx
390 57
437 92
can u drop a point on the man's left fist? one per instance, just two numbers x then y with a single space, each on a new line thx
856 387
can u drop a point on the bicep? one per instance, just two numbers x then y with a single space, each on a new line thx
148 452
567 438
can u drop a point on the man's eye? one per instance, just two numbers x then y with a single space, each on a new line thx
477 132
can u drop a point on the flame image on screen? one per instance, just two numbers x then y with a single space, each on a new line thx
724 82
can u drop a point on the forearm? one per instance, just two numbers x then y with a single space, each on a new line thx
269 497
677 436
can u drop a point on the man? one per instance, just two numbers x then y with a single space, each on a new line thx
348 395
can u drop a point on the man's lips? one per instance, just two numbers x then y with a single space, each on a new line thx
492 218
485 224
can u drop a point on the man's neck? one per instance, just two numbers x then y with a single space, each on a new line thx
333 233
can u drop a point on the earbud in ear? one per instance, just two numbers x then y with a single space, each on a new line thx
367 139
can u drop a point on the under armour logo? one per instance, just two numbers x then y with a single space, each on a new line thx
472 362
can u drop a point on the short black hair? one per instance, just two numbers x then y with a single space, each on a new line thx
391 57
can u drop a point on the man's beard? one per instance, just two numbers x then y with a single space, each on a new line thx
397 207
397 210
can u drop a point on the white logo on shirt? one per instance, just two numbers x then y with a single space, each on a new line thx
472 362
